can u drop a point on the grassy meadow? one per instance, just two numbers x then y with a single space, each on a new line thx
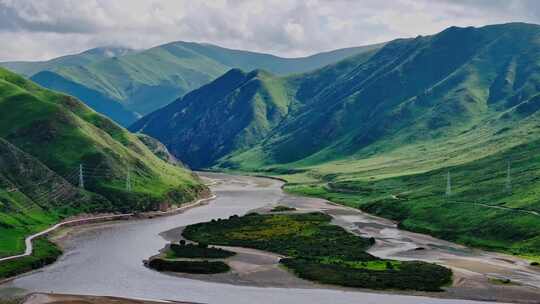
483 210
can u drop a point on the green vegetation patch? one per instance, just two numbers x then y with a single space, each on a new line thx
484 209
192 251
292 235
409 275
504 281
195 267
11 301
319 251
45 253
282 209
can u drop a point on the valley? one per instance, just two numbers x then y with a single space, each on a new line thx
382 130
394 170
122 273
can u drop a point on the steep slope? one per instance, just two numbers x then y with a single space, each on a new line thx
232 113
159 149
416 90
46 139
24 205
465 99
94 99
148 80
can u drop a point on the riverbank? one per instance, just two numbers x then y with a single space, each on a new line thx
47 252
41 298
476 272
84 270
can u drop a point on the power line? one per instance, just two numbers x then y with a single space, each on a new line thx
81 177
448 184
128 179
508 185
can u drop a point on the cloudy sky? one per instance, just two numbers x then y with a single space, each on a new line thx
42 29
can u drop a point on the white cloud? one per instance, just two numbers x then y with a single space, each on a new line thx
42 29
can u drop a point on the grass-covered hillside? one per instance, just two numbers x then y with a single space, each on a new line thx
393 121
44 139
24 205
116 80
236 111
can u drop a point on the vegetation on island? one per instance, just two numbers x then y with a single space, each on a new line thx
319 251
281 208
191 258
196 251
188 266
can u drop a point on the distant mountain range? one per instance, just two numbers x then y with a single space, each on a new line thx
125 84
410 91
380 131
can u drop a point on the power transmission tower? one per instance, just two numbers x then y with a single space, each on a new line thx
81 176
448 184
128 180
508 186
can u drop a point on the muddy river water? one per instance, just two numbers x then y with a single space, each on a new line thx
106 259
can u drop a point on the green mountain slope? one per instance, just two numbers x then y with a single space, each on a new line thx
422 90
150 79
396 119
234 112
94 99
46 137
24 207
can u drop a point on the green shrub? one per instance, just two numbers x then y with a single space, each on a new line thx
196 251
195 267
308 234
411 275
11 301
282 209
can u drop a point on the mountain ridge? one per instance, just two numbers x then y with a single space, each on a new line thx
392 123
145 80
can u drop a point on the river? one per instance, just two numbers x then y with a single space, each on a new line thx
107 259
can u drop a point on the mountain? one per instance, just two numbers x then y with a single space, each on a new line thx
144 81
47 138
235 111
159 149
94 99
29 68
390 123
